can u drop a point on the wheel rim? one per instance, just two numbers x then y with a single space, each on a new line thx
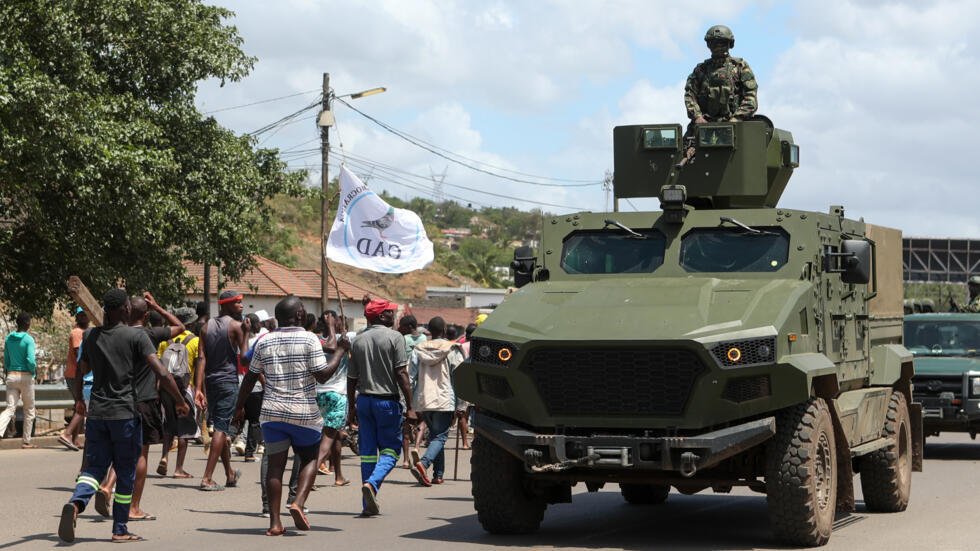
904 455
824 471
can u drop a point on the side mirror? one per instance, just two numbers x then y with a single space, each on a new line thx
856 261
523 266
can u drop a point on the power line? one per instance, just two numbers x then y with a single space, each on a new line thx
452 157
288 119
270 100
382 166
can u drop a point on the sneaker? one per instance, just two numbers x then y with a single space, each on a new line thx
240 446
260 450
265 511
370 498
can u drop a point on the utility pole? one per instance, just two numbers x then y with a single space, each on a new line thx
325 200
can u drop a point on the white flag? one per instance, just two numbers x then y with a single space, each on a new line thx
371 234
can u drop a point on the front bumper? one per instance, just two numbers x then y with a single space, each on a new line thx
684 454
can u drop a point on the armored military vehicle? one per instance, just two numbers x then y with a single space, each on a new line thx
721 341
947 370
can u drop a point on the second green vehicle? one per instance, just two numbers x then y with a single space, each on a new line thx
720 341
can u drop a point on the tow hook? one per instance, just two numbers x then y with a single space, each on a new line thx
689 464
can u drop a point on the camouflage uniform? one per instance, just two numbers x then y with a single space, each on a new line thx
974 287
721 89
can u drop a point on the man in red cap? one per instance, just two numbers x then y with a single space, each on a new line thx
378 372
216 374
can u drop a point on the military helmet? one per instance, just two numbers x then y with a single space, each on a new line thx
974 280
720 32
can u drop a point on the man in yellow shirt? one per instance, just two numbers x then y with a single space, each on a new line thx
182 428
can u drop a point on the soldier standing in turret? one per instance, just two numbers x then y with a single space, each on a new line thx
722 87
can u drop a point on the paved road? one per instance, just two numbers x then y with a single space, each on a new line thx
34 484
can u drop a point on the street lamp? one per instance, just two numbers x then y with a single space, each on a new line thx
325 120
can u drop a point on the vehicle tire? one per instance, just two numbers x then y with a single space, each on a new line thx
886 474
644 494
500 496
801 474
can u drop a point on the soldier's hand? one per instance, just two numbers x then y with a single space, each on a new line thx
700 120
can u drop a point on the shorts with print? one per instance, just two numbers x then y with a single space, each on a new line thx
152 421
333 409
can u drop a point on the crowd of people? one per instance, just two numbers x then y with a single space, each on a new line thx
257 385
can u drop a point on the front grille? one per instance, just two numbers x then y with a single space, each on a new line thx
615 381
931 386
744 389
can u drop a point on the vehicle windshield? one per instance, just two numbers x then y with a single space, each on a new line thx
942 337
734 250
612 251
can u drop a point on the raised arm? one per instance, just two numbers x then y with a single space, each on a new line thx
176 327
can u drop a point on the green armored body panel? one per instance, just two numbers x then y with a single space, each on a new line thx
719 342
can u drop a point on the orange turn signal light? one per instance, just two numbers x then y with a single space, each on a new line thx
504 355
734 354
792 337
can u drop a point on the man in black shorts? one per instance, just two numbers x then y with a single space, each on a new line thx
147 397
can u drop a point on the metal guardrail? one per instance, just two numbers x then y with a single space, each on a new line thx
45 396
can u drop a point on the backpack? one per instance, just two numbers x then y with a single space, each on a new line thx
175 357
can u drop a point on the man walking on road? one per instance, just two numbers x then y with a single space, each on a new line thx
435 399
69 437
291 360
113 432
19 366
378 372
147 397
217 374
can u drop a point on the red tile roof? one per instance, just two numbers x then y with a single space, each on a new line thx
272 279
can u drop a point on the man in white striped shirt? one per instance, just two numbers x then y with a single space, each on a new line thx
292 361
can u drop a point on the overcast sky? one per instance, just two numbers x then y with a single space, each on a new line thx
881 96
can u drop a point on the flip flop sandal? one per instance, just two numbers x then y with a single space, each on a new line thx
126 538
184 475
67 443
162 468
102 503
234 483
66 527
344 483
302 523
213 487
146 516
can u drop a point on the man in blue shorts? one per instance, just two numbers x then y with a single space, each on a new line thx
292 362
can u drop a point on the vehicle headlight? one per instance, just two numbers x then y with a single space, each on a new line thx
745 352
975 383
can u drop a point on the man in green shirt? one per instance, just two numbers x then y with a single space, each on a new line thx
19 366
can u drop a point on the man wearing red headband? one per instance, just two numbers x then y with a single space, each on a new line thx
216 374
378 372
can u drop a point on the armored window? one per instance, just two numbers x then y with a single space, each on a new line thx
734 250
612 251
661 138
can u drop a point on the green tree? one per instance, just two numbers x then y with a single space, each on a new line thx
108 170
478 259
